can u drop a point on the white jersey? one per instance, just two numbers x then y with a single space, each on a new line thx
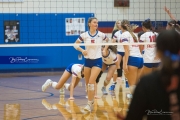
111 58
93 52
149 49
134 49
117 36
76 70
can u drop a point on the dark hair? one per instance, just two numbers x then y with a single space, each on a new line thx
168 44
140 33
90 19
147 24
125 24
82 75
113 48
173 24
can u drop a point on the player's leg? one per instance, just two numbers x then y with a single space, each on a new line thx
111 70
65 76
147 68
132 76
67 85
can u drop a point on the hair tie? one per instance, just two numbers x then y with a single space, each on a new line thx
173 57
147 20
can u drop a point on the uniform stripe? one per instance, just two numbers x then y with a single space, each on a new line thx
115 59
141 41
105 38
74 73
124 40
80 38
115 36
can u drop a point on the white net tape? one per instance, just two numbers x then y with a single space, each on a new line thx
70 44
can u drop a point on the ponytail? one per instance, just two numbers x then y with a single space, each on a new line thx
113 48
129 29
125 24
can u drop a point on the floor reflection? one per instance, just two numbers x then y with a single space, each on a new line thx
105 108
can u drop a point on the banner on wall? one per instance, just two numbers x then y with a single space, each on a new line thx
74 26
11 0
11 31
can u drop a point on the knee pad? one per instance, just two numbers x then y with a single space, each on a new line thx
107 81
91 87
98 77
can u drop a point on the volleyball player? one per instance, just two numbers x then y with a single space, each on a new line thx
133 61
120 50
151 60
93 57
74 70
109 57
171 16
117 75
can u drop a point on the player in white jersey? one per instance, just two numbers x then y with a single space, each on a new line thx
133 61
93 57
109 57
120 51
74 70
117 75
151 61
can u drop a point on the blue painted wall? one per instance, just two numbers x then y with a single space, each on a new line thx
37 29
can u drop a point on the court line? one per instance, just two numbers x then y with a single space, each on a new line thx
39 117
51 94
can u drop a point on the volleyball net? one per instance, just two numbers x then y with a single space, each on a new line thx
38 29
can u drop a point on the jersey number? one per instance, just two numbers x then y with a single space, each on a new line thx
152 38
92 41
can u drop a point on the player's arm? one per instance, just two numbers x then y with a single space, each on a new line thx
126 57
116 62
170 14
105 50
104 37
125 39
77 46
73 81
141 47
114 38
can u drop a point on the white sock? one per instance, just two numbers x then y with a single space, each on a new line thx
114 82
90 102
67 85
54 84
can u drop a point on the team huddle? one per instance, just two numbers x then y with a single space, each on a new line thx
134 60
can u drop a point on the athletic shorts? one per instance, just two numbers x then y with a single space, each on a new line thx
93 63
135 61
69 68
151 65
109 64
121 53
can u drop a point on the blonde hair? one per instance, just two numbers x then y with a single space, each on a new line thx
125 24
115 25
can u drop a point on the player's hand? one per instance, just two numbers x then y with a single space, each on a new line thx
125 68
84 52
71 98
166 9
156 58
